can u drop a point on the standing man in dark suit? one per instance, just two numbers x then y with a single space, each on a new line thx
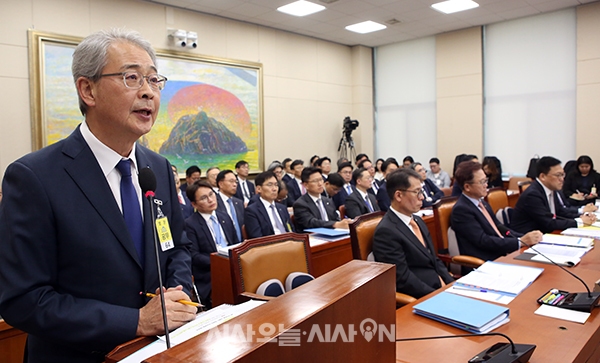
313 210
294 186
265 217
478 231
207 229
383 199
361 201
245 188
403 239
431 192
73 264
228 203
539 207
287 176
345 170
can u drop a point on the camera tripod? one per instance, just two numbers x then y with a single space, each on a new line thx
346 148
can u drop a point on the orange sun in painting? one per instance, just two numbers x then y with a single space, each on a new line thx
217 103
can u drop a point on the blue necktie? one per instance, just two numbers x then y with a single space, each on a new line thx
131 208
219 239
368 203
348 189
235 220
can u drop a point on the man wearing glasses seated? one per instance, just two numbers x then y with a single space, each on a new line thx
264 217
540 206
402 238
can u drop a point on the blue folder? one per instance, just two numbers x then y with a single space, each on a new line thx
329 232
474 316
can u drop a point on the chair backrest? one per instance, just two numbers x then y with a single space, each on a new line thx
361 234
497 199
447 191
523 185
441 215
504 215
513 182
273 257
342 210
453 250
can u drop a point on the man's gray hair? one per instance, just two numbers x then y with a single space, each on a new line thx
90 55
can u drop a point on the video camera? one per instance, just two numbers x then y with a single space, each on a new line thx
349 126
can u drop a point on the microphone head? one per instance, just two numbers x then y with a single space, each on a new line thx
147 180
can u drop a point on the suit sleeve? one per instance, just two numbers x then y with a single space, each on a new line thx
252 225
534 206
305 219
437 193
383 200
441 269
29 271
352 208
388 248
446 179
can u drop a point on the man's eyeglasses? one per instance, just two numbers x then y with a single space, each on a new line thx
135 80
316 181
417 192
482 181
558 175
204 198
270 185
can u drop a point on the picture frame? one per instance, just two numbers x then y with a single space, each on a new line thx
211 111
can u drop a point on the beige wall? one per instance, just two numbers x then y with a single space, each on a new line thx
459 88
588 81
310 85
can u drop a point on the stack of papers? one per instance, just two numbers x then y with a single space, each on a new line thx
589 231
562 240
561 255
224 251
321 235
464 313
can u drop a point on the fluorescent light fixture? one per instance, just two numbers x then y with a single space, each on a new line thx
301 8
454 6
365 27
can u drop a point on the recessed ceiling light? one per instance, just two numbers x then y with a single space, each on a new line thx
301 8
365 27
453 6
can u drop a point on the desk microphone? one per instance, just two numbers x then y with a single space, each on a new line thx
147 181
497 353
577 300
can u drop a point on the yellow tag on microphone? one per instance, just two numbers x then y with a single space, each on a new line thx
164 234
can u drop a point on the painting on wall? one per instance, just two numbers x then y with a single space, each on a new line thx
210 112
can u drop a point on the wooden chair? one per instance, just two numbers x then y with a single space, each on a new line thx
273 257
244 233
523 185
513 182
361 240
447 191
497 199
342 210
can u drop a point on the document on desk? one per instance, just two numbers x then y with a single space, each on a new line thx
562 240
321 235
561 255
496 297
500 277
563 314
203 322
587 231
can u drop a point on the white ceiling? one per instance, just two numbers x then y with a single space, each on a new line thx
417 18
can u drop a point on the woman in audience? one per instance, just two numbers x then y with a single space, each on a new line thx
580 185
378 173
493 170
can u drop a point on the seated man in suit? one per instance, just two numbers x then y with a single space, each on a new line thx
294 186
211 176
192 174
288 175
324 164
313 210
361 201
265 217
478 231
432 193
539 207
368 166
245 188
333 185
228 203
184 202
383 199
206 229
345 170
403 239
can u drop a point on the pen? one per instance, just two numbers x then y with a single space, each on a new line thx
185 302
469 288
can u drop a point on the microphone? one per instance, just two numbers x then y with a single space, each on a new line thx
147 181
497 353
577 300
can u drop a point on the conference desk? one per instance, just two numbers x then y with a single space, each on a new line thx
557 340
325 257
12 343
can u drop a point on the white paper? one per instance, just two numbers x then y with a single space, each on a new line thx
582 232
563 314
502 277
477 294
557 250
559 239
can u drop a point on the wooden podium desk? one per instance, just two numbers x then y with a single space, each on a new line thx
341 299
325 257
557 341
12 343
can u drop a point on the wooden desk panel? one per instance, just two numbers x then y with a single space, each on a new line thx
12 343
325 257
556 340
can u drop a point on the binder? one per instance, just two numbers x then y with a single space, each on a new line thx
468 314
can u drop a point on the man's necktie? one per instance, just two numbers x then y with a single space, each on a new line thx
219 239
489 218
131 208
375 187
234 219
348 189
322 209
278 223
302 189
245 190
417 232
368 203
551 204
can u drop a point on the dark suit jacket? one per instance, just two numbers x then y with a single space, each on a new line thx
202 245
533 212
417 268
356 206
433 192
340 197
239 194
69 271
294 191
474 234
383 199
286 178
238 204
258 223
307 214
186 209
